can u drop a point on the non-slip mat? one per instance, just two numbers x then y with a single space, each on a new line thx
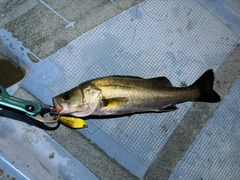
176 39
235 4
215 152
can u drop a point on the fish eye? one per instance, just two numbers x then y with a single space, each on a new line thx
66 96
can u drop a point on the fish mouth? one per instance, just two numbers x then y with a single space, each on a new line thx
57 109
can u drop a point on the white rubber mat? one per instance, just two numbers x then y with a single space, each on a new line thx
176 39
215 152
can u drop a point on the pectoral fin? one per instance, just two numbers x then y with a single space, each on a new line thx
114 102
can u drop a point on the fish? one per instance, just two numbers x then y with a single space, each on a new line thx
123 95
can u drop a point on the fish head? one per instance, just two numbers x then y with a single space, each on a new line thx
68 102
79 101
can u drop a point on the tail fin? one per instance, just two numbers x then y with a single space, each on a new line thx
205 84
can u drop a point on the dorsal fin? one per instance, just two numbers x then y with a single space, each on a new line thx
163 81
136 77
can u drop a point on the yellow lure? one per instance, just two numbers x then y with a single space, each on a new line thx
73 122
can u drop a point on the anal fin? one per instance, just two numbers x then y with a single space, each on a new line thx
169 108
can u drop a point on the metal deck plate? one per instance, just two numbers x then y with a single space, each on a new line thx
27 153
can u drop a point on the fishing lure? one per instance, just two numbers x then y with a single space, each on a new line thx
72 122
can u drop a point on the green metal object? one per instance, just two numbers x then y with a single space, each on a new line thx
31 108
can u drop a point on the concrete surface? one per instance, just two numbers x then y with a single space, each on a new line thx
44 31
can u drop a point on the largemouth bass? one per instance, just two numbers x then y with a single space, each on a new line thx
120 95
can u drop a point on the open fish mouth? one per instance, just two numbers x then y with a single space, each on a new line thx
57 109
